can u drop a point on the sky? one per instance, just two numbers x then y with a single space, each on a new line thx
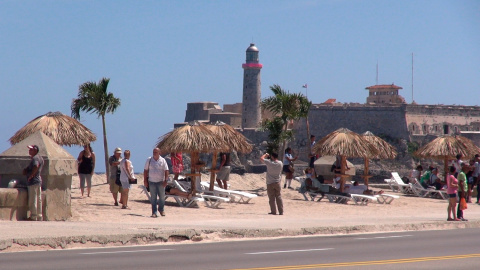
160 55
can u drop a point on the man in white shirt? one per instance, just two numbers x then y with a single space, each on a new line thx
273 179
476 174
155 177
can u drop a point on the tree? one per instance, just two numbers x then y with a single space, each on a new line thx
94 98
286 107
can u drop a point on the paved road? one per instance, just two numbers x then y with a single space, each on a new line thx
450 249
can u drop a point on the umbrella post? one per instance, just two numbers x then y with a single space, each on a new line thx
342 172
445 168
213 171
365 172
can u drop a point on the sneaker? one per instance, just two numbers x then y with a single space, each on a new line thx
154 215
272 213
162 213
463 219
116 204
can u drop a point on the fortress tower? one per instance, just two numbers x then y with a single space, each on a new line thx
251 113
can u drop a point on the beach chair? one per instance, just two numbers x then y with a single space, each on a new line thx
385 198
420 191
335 198
360 199
234 195
397 185
211 201
181 201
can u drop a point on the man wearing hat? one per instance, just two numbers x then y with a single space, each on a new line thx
114 162
34 183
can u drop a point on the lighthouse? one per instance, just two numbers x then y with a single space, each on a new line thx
251 113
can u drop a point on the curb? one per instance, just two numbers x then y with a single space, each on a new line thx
224 234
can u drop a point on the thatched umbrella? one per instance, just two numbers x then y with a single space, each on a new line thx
232 138
446 148
193 138
62 129
385 151
344 143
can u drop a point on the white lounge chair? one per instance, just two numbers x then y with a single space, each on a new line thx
334 198
234 195
211 201
181 201
396 184
360 199
385 198
420 191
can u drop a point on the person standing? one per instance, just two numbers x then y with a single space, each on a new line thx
177 164
288 160
114 162
273 179
452 187
223 174
34 183
462 189
155 175
312 156
476 175
86 167
126 168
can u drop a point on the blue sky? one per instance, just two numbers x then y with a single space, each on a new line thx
160 55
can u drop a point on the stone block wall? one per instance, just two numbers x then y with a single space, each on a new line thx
13 203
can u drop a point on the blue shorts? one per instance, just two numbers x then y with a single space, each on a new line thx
452 195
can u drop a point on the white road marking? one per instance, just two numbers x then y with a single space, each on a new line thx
126 251
287 251
385 237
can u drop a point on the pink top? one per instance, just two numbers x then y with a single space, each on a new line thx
452 184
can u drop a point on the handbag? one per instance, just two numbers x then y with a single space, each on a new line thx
463 204
117 178
132 181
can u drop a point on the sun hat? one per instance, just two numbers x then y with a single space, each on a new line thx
33 146
118 150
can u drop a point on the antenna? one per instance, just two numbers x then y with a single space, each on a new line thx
412 80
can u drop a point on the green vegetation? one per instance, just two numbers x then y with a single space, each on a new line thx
94 98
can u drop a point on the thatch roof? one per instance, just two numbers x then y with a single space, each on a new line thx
448 147
232 138
62 129
344 142
193 137
386 150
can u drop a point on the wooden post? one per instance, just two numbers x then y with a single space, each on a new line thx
342 172
213 171
365 172
445 169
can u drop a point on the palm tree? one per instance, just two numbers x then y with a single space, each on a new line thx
94 98
286 107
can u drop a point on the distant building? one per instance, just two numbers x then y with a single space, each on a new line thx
384 93
385 114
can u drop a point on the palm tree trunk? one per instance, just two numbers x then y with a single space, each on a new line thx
284 144
105 147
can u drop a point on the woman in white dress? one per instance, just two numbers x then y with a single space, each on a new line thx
126 168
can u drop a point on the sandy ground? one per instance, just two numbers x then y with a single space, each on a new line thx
99 208
96 222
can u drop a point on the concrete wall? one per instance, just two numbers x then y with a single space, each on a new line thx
233 108
442 119
201 110
232 119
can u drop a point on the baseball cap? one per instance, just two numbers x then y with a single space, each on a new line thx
33 146
118 150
